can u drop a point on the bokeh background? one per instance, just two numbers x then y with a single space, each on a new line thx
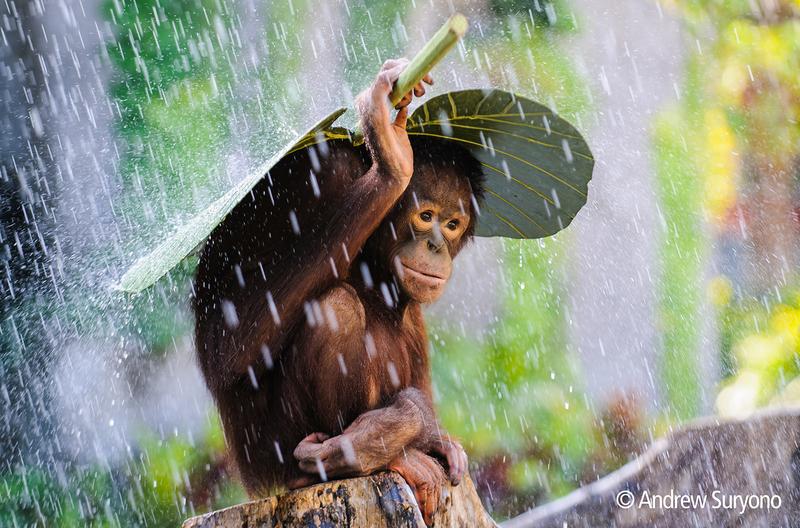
674 293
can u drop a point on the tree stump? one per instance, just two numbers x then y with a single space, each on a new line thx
383 500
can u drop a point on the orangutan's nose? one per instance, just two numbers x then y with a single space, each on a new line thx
435 244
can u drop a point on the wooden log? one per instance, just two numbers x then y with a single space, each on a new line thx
383 500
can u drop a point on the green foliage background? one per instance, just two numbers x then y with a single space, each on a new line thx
514 396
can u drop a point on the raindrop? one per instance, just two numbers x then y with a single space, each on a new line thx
36 122
321 470
330 318
366 276
312 154
273 310
567 150
229 313
239 276
554 194
267 355
392 371
314 185
387 296
294 222
252 374
444 123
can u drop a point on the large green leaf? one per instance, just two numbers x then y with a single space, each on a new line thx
537 170
537 165
184 240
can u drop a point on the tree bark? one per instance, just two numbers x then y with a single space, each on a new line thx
759 456
383 500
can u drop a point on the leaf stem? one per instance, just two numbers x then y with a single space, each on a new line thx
434 50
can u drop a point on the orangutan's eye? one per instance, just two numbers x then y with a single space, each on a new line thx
452 225
426 216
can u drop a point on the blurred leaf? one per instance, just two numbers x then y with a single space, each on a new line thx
183 241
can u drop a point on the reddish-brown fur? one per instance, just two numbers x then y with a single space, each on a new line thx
294 338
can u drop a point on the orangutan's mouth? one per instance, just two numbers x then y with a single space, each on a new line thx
428 279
